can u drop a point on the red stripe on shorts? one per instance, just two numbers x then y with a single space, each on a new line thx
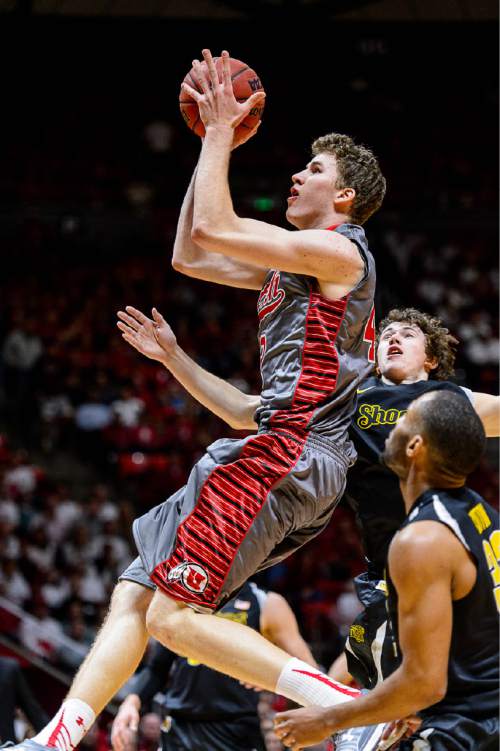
264 461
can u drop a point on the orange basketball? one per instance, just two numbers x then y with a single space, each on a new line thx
245 83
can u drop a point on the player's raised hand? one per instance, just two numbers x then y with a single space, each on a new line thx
163 333
143 333
217 104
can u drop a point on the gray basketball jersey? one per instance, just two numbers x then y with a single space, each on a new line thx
314 351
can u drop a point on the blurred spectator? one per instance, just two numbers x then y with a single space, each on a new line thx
15 694
93 415
22 349
128 408
87 585
41 633
22 477
13 585
40 549
71 654
11 547
76 549
111 546
56 589
149 733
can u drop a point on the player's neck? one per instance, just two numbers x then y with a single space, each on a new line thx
418 482
412 487
323 221
398 380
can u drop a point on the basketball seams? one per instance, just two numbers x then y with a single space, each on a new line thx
192 117
239 72
194 84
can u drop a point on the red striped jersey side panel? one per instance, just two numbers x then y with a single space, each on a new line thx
227 505
320 362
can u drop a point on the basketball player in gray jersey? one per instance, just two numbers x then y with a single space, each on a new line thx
248 503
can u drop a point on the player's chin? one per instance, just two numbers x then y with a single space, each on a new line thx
393 368
293 218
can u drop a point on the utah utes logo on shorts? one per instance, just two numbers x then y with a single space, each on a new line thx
192 576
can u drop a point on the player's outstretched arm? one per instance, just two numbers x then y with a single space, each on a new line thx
154 338
191 259
421 562
487 407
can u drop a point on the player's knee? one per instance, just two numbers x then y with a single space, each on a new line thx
128 595
170 627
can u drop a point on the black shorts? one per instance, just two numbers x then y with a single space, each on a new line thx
221 735
453 732
369 646
247 505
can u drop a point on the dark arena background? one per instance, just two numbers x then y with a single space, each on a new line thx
95 162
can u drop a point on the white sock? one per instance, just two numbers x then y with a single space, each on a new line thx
305 685
65 731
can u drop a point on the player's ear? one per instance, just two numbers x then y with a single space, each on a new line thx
431 364
414 446
343 200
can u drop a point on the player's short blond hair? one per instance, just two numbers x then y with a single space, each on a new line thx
358 168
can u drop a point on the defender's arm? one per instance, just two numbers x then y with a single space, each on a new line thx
156 340
421 565
487 407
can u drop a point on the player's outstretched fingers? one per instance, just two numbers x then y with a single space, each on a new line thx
130 322
131 340
226 70
187 89
202 77
212 71
157 316
137 314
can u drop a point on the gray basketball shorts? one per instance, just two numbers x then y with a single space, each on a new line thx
247 504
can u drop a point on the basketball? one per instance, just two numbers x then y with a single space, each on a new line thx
245 83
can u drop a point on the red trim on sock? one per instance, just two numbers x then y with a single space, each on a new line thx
337 686
54 736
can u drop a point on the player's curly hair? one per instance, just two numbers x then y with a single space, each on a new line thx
440 344
358 168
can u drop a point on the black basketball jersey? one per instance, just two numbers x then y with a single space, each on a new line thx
473 672
194 691
372 489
